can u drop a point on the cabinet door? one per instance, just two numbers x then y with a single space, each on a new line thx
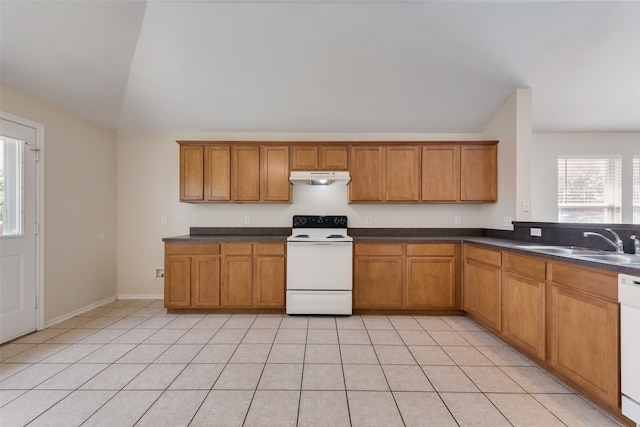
378 282
367 174
403 174
269 281
333 158
191 173
217 167
237 283
275 185
523 312
304 158
245 174
441 173
479 173
431 282
205 281
482 292
583 341
177 281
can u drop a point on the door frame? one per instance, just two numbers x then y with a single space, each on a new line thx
40 210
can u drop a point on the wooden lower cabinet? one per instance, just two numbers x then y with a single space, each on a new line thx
483 285
227 275
237 282
177 281
433 276
563 315
378 282
523 303
583 334
269 281
398 275
192 275
205 281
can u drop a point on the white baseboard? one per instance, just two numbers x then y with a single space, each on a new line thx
79 311
140 296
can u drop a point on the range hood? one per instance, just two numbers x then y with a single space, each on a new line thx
320 178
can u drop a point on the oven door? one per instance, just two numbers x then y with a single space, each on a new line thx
319 266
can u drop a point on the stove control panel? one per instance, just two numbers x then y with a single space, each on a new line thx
316 221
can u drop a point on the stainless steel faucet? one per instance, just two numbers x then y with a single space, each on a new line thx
636 245
618 241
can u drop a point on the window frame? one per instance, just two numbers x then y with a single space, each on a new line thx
605 191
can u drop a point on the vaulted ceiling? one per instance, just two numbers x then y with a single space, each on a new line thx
326 66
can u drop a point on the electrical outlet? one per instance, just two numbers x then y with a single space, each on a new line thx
535 232
367 220
526 206
507 221
163 220
247 220
456 219
159 273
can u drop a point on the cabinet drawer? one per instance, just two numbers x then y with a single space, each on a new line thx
270 248
192 248
431 249
585 279
486 256
524 265
378 248
237 248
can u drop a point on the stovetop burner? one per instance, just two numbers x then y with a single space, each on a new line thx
314 228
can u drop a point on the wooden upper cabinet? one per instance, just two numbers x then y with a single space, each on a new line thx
403 173
412 172
367 174
217 167
312 157
226 172
275 186
245 173
334 157
304 158
479 173
191 173
441 173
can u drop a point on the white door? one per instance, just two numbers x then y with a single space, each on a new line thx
18 155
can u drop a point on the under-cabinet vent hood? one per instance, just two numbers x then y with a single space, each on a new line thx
320 178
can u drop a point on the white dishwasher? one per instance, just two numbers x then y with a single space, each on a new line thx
629 298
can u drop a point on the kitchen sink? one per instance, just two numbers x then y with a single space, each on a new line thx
562 250
616 258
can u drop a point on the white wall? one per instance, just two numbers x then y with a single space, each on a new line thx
148 180
547 147
512 127
80 191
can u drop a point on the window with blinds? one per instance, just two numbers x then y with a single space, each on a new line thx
636 189
590 189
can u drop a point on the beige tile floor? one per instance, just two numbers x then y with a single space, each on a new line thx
130 363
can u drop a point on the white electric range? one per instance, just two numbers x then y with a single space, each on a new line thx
319 266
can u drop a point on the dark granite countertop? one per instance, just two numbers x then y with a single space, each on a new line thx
218 238
519 247
232 234
400 235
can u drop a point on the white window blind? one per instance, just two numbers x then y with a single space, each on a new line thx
590 189
636 189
